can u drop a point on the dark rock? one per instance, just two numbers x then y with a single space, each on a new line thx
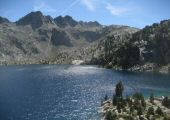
4 20
60 38
65 21
35 19
90 24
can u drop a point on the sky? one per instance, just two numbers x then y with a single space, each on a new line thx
134 13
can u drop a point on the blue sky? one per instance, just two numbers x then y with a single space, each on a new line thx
135 13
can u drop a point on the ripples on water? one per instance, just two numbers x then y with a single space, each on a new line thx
66 92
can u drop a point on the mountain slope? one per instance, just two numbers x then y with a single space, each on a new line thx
154 42
145 50
35 20
36 37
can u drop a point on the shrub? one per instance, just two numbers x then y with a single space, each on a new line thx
150 111
106 97
109 115
136 103
143 103
166 118
129 118
132 109
159 111
151 98
141 118
114 100
166 102
140 110
119 107
138 96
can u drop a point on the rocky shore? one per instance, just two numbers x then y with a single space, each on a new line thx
135 107
151 67
126 114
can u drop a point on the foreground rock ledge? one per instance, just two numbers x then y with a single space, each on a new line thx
126 114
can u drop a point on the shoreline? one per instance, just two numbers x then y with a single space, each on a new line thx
108 106
133 69
135 107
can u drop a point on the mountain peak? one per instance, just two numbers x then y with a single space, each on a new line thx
35 19
65 21
90 23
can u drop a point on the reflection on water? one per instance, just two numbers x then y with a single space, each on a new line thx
66 92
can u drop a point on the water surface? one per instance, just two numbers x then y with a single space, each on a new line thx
67 92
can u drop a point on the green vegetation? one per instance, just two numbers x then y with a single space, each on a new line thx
119 52
106 97
119 90
145 50
134 107
166 102
159 111
151 98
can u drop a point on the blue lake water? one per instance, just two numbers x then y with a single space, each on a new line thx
67 92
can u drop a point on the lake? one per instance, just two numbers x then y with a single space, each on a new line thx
67 92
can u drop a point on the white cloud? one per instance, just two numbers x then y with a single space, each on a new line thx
90 4
44 7
116 11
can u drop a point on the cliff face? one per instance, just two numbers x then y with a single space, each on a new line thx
145 50
154 42
36 37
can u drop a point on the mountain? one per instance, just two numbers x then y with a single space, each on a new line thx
65 21
3 20
154 42
145 50
36 38
35 20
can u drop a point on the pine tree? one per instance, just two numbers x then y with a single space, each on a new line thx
114 100
143 103
140 110
151 98
106 97
119 90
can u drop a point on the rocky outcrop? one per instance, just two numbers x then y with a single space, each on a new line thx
60 38
154 42
90 24
35 20
65 21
